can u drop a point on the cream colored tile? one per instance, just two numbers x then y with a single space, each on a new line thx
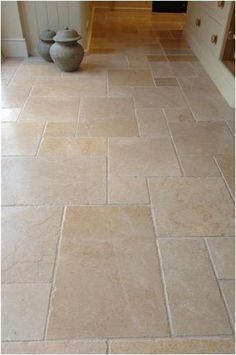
161 69
72 146
160 97
60 129
178 115
21 138
222 254
29 244
130 77
108 60
188 286
107 117
68 86
54 180
166 82
129 190
191 207
199 165
120 91
133 304
14 96
182 69
51 109
173 346
10 114
24 311
151 122
55 347
203 138
142 157
29 71
228 290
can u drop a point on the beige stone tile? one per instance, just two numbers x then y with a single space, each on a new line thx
60 129
231 125
166 82
228 291
68 86
137 60
178 51
73 146
55 347
226 164
116 247
173 346
222 255
87 70
188 286
128 190
110 60
29 71
21 138
203 138
10 114
107 117
173 43
29 243
142 157
161 69
178 115
182 58
157 58
151 122
199 165
183 69
54 180
14 96
191 207
24 311
148 49
120 91
130 77
160 97
52 109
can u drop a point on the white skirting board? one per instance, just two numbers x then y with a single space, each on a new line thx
220 75
14 47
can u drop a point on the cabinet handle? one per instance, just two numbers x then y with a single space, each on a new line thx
214 39
221 4
198 22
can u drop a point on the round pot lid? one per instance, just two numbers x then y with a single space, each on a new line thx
67 35
47 35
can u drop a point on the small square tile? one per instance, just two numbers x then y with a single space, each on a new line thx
199 165
178 115
130 77
128 190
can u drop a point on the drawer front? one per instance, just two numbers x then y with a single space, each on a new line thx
217 9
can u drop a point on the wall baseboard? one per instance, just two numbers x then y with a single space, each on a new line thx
14 47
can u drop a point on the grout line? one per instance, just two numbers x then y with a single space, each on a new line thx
136 117
41 140
107 171
208 252
186 98
56 263
78 118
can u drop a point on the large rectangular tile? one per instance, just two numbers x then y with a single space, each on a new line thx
199 165
28 72
191 207
130 77
60 129
128 190
29 240
142 157
188 286
151 122
14 96
107 116
159 97
24 311
115 246
54 180
51 109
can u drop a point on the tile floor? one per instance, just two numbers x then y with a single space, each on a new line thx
118 188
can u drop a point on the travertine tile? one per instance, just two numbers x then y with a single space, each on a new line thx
10 114
51 109
111 60
55 347
54 180
199 165
203 138
173 346
125 190
178 51
182 58
129 297
188 286
21 138
60 129
107 117
161 69
173 43
137 60
24 311
183 69
14 96
120 91
222 254
148 49
226 164
130 77
142 157
185 207
166 82
72 146
29 239
231 125
71 86
151 122
160 97
228 291
29 71
178 115
157 58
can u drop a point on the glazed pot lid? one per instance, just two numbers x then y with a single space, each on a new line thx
67 36
47 35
